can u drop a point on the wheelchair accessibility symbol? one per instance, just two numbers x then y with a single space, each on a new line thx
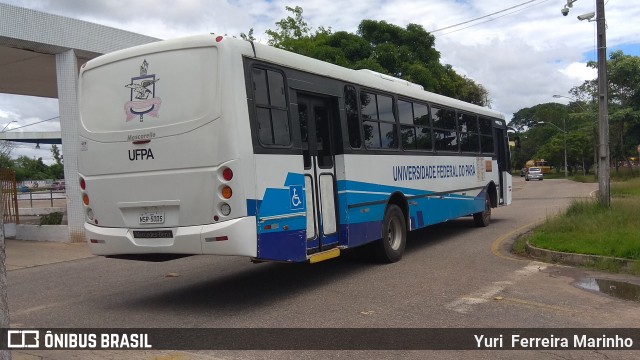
295 197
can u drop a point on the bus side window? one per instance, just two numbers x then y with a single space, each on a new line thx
353 122
444 132
486 135
378 121
416 134
271 107
468 133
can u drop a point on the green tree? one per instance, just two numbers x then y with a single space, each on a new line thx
552 151
527 118
624 103
546 141
31 169
56 170
248 36
580 148
6 147
56 154
6 162
407 53
289 30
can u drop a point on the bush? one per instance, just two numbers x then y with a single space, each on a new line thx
51 219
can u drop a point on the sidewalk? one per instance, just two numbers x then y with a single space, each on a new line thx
24 254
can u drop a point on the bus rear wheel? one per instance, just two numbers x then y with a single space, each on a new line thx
483 218
394 236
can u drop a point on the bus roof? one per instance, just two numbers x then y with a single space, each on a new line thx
366 78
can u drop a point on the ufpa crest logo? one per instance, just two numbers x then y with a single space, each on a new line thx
142 99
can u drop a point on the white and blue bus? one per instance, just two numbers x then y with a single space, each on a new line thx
216 145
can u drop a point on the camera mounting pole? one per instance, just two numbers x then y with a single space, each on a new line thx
604 163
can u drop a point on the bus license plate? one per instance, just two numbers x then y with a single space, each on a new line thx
152 218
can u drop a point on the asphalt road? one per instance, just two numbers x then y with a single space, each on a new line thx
452 275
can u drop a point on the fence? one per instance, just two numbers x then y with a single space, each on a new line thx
48 195
9 196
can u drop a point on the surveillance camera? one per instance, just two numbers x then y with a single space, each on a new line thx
587 16
565 11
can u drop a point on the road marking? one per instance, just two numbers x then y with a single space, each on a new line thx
466 303
495 246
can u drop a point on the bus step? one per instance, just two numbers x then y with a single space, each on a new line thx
325 255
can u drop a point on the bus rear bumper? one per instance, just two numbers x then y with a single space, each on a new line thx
233 237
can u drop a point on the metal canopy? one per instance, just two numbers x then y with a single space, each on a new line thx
40 55
30 39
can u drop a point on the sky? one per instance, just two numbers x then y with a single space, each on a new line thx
523 54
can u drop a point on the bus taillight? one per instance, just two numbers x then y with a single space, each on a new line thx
85 199
227 174
83 184
225 209
226 192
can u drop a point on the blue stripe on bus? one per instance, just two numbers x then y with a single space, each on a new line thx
357 234
276 201
252 207
294 179
283 245
350 186
360 209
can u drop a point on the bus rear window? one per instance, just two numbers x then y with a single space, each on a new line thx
150 91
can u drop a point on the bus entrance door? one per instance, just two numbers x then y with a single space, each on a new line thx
316 115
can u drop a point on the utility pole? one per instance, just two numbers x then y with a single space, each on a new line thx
604 170
604 184
564 124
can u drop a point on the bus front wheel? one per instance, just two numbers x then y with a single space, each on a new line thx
483 218
394 235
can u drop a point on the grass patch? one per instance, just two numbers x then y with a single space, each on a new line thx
623 174
628 188
519 246
589 178
587 228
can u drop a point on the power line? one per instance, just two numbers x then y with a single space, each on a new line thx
484 16
495 18
35 123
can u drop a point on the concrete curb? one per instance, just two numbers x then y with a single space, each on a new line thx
56 233
573 259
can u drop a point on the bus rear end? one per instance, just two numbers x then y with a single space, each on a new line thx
161 158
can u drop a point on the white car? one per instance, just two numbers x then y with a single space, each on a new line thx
534 173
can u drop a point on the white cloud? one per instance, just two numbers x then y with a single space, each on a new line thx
579 71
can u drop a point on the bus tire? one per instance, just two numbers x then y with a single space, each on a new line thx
483 218
390 248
